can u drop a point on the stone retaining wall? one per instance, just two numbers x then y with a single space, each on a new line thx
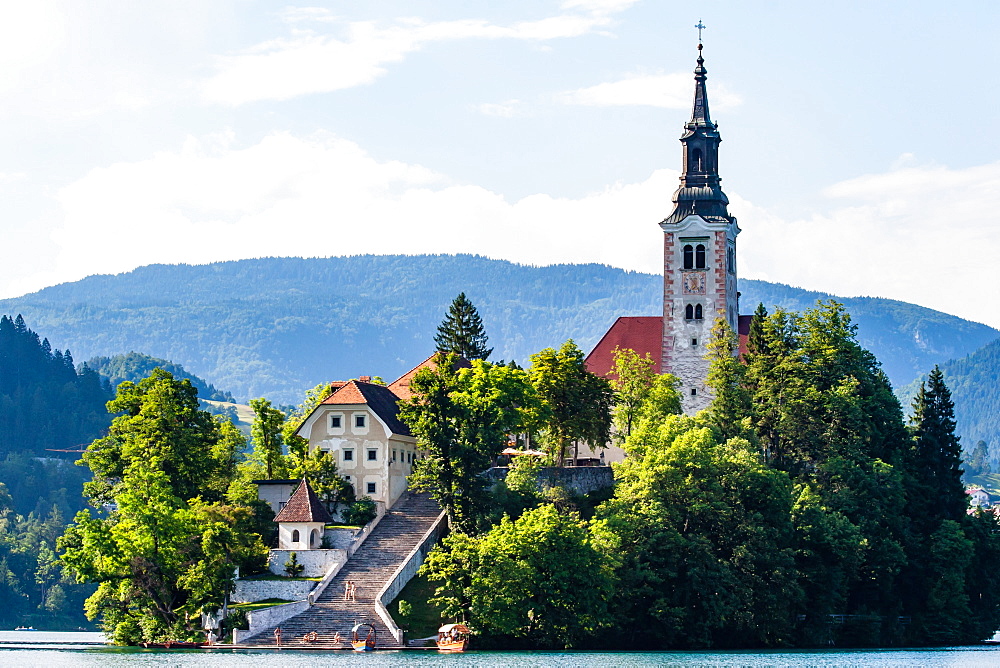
316 563
261 620
578 479
251 591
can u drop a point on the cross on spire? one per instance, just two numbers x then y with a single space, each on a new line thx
701 26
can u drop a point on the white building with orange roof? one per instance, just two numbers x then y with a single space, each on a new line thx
359 426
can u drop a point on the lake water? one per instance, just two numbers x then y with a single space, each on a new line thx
38 648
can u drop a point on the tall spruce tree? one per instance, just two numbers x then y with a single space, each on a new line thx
462 332
937 455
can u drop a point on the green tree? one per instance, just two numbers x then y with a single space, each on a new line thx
320 468
266 432
701 536
167 549
462 332
979 460
159 423
937 454
634 380
461 418
579 402
537 579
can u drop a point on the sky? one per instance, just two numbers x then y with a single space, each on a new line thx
860 146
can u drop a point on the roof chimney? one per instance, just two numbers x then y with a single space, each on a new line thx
365 379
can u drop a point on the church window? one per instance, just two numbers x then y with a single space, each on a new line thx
731 260
295 536
688 257
694 392
698 313
696 160
699 257
694 342
314 538
689 312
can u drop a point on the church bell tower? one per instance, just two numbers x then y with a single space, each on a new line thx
699 255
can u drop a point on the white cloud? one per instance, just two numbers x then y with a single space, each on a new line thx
670 91
322 195
30 35
309 62
600 6
506 109
923 235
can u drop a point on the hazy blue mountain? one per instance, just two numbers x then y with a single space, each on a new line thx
974 381
275 326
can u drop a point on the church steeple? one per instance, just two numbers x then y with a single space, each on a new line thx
700 192
699 254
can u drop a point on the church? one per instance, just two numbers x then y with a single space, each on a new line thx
699 267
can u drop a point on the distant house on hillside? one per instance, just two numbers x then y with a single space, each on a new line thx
978 497
359 426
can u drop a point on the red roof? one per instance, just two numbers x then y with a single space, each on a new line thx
379 398
304 506
643 334
743 330
401 386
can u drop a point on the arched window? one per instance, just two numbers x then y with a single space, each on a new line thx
697 312
689 312
699 257
314 539
295 536
696 160
688 257
731 261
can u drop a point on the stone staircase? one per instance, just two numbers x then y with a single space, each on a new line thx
371 567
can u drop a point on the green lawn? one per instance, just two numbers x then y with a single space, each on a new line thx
259 605
989 482
426 618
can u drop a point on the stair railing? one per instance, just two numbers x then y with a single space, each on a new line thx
405 572
332 572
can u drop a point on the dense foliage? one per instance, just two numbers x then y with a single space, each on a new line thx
169 545
274 326
45 402
135 366
798 510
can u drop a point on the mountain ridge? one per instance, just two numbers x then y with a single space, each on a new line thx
276 326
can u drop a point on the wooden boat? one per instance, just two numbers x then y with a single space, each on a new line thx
366 642
453 638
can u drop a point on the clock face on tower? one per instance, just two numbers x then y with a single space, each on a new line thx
694 283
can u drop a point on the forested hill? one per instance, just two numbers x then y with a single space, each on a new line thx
974 382
135 366
276 326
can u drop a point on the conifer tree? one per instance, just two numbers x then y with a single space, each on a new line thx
462 332
937 451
